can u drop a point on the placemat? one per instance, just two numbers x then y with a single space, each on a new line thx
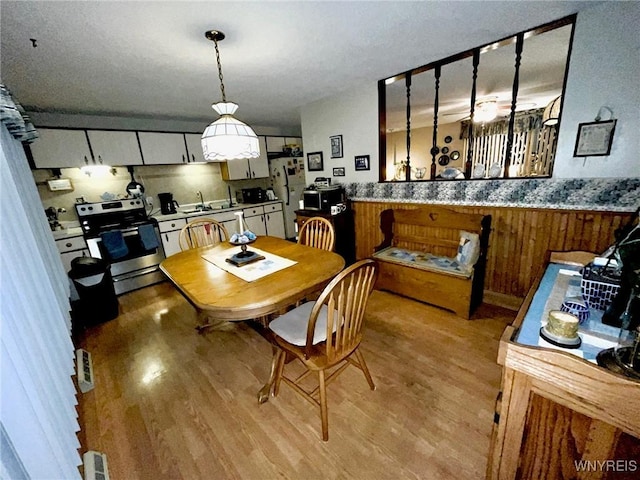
253 271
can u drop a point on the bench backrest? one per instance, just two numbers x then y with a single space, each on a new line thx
431 229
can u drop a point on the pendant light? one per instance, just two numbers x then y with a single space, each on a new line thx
551 113
227 138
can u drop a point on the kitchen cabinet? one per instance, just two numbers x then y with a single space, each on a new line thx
265 220
163 148
111 147
275 145
170 234
61 148
274 220
194 147
254 218
71 248
559 414
228 219
247 168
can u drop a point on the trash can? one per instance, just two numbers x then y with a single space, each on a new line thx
97 301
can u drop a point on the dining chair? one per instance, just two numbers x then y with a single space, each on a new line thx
317 232
325 335
202 232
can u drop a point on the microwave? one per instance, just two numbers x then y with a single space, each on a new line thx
254 195
323 198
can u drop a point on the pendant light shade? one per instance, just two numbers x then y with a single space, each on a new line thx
227 138
551 113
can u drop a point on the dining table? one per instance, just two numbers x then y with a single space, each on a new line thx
216 287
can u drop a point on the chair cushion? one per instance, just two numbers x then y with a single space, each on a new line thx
292 326
424 261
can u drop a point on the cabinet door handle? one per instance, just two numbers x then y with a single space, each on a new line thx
166 236
193 158
100 159
183 159
86 160
247 174
68 244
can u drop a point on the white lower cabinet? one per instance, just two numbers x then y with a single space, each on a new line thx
71 248
170 234
274 220
266 220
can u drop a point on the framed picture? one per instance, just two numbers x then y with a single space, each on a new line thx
594 139
314 161
338 172
362 162
336 146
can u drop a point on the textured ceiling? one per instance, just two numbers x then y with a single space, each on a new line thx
151 59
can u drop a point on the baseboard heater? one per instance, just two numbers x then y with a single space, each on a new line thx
84 370
95 466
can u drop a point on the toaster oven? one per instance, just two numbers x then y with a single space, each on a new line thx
323 199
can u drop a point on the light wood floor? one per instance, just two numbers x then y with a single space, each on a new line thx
170 403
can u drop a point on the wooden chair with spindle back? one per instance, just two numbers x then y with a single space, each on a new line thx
317 232
325 334
202 232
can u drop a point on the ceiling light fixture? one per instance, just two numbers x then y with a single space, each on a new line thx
227 138
485 111
551 114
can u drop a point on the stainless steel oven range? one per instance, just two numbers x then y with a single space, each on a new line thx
121 233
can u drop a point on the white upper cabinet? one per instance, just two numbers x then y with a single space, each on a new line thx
115 147
194 147
244 169
275 145
162 148
61 148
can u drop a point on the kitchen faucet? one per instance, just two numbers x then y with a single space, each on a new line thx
199 194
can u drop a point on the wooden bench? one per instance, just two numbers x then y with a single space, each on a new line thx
417 257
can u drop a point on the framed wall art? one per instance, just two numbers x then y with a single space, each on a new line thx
336 146
594 139
362 162
314 162
338 172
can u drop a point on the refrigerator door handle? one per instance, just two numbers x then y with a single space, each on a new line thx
286 184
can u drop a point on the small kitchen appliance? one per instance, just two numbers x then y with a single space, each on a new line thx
167 203
120 233
253 195
324 198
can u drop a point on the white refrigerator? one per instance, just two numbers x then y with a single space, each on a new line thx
288 182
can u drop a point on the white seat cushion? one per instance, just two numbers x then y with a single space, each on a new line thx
292 326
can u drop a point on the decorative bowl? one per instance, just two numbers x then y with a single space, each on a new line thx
576 306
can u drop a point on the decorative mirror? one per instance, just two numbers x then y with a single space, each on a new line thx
493 106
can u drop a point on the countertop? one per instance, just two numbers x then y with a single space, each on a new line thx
72 228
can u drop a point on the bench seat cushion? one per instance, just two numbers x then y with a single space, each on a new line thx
424 261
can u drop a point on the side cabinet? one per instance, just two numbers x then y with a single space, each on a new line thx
344 230
170 234
71 248
61 148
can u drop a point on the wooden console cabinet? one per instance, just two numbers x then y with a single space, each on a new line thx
344 230
560 416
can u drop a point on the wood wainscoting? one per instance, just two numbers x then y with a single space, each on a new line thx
519 239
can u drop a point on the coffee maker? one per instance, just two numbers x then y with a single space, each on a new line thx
167 203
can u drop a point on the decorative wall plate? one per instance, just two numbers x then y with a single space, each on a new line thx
478 171
455 155
443 160
448 139
495 170
445 150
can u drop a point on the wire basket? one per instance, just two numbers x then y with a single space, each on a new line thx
597 291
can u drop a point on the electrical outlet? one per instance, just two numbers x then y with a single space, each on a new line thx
150 201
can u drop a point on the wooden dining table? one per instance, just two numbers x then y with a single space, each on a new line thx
224 296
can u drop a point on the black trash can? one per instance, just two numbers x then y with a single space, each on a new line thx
97 301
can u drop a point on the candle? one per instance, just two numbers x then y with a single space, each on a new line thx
240 229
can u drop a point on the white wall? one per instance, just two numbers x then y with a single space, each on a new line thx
604 70
354 115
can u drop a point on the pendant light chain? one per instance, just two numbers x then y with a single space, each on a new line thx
215 42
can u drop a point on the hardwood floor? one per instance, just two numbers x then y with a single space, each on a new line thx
170 403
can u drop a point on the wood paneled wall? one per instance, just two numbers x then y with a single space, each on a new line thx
519 239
